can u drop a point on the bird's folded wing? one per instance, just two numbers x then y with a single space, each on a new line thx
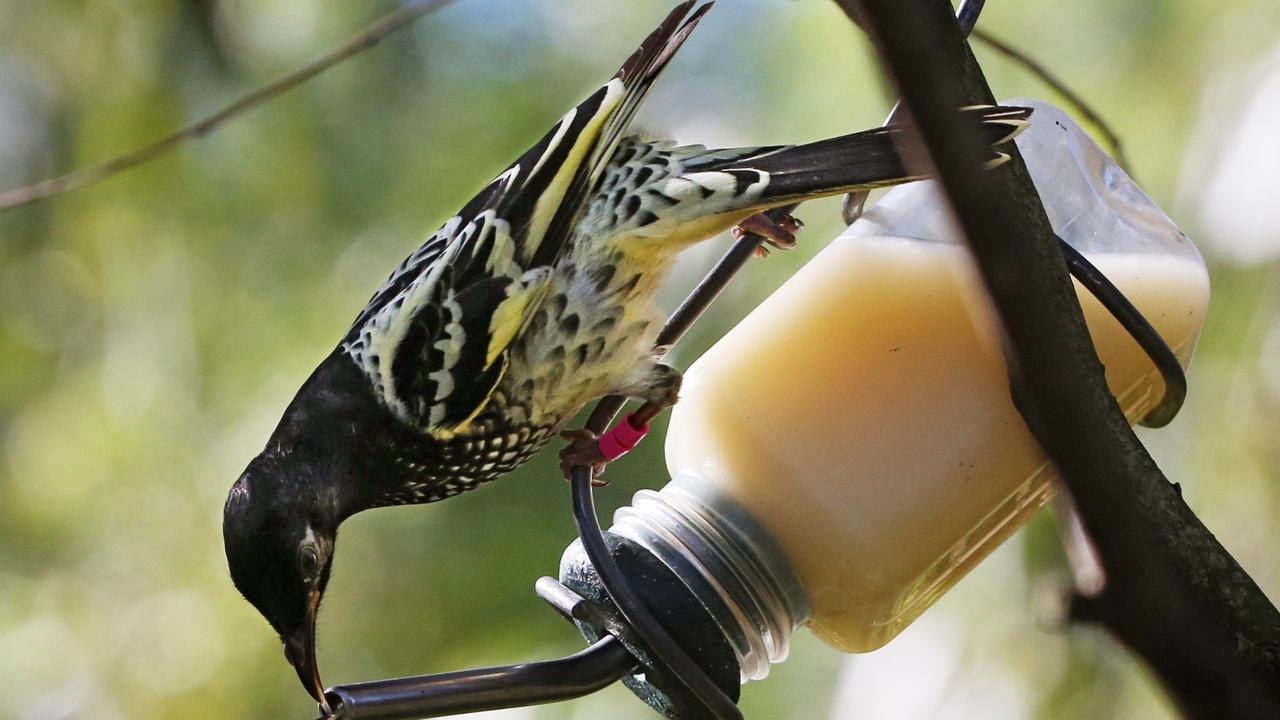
433 339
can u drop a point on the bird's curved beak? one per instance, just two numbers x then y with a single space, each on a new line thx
300 649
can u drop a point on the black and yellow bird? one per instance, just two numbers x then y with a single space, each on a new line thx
529 303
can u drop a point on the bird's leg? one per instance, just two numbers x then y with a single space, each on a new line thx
659 390
780 233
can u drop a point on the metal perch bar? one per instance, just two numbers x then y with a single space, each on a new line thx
493 688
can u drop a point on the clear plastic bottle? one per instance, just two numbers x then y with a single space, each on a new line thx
850 450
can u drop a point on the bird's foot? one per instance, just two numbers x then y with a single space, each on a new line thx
583 449
595 451
780 234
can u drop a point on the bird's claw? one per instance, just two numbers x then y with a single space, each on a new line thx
583 449
780 233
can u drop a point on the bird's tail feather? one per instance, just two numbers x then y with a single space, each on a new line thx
636 76
644 66
860 161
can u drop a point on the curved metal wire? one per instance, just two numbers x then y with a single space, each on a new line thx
967 15
1098 285
661 645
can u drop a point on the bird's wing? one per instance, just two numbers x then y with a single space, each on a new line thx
433 339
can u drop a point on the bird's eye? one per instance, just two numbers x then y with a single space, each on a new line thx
309 562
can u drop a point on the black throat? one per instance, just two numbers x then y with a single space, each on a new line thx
346 446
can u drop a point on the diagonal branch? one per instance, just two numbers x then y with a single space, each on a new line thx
1173 594
358 43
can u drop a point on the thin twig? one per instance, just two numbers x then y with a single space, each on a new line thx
1078 103
358 43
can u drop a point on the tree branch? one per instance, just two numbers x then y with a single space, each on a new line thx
1172 593
358 43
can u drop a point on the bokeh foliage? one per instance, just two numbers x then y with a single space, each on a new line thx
153 327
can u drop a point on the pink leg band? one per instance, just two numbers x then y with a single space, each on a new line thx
621 438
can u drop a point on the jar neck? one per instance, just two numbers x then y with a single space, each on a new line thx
727 560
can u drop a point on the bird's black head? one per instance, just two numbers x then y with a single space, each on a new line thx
279 532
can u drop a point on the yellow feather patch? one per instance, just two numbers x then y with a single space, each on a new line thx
513 314
545 208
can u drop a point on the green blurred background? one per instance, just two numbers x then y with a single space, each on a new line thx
153 327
